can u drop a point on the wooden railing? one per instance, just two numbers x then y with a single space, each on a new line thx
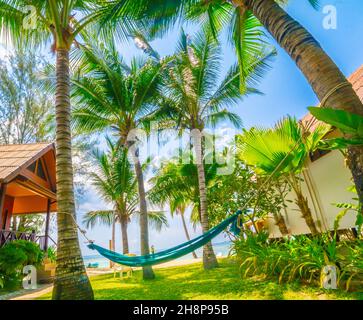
7 236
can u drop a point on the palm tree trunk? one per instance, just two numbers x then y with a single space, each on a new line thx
281 224
209 258
187 234
113 239
125 240
302 203
321 72
71 281
148 272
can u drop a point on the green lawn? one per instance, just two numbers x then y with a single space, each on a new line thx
192 282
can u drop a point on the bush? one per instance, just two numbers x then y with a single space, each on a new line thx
299 258
13 257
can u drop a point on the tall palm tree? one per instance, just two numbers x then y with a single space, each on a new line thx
323 75
195 100
116 183
281 152
56 21
110 95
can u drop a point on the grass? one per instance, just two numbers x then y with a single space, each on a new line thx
192 282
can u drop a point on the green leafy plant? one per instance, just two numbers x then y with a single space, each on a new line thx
14 256
349 208
52 254
299 258
347 122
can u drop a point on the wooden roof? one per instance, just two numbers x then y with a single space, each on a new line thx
356 79
15 157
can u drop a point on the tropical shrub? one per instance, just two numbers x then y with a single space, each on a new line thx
52 254
13 257
300 258
352 207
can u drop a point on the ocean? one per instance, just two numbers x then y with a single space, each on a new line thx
221 249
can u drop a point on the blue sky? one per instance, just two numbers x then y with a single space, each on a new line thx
285 92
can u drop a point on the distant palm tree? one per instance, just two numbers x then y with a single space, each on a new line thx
195 99
110 95
282 152
115 181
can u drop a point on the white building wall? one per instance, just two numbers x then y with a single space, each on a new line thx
329 179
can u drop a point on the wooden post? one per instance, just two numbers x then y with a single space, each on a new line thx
47 220
2 201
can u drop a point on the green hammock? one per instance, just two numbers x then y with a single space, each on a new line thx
172 253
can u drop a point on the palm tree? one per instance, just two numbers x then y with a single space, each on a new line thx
239 16
281 152
195 100
116 183
56 21
177 184
111 95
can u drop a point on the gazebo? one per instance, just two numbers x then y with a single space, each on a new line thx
27 186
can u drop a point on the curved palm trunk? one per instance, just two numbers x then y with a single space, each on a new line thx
71 281
321 72
148 272
125 239
209 258
187 234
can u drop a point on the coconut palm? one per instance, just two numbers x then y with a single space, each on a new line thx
35 23
239 16
115 181
281 152
176 183
195 100
111 95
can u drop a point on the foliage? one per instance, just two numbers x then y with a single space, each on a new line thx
280 154
298 258
25 109
176 183
116 183
28 223
14 256
245 189
347 208
348 123
52 254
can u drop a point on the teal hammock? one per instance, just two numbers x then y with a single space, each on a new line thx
172 253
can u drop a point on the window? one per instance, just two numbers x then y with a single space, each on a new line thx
318 154
32 167
40 171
